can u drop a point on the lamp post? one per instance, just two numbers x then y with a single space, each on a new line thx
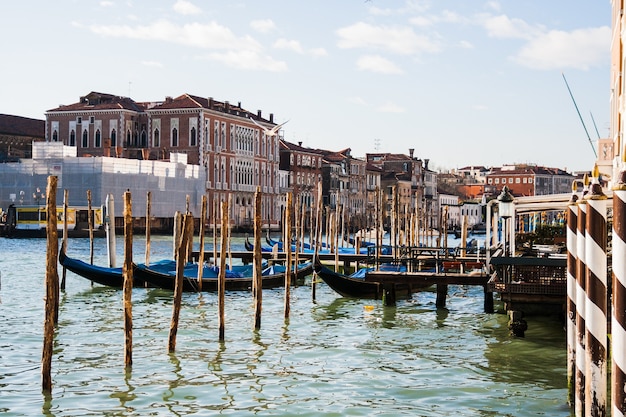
505 211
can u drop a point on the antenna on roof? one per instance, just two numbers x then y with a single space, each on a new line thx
581 118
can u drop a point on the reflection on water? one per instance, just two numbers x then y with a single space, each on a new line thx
336 356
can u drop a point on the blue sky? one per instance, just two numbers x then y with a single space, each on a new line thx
462 82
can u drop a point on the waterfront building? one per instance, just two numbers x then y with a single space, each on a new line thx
304 167
237 149
530 180
17 135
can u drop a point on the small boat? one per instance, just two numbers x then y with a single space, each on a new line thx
31 221
272 277
366 282
111 277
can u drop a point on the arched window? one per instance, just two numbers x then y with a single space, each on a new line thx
128 138
192 137
85 139
72 138
98 139
55 136
157 139
113 138
174 137
144 139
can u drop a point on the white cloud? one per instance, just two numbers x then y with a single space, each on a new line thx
106 3
206 36
153 64
503 27
263 26
357 100
580 49
318 52
390 107
493 5
185 7
248 60
466 45
377 63
289 45
399 40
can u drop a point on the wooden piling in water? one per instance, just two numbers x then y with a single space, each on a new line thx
52 283
257 260
148 215
221 279
201 248
318 233
90 223
581 297
110 229
596 309
186 232
127 271
618 321
442 294
65 198
572 212
287 245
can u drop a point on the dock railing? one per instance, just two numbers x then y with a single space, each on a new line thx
529 276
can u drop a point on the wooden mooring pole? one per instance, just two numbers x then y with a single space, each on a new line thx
90 223
596 309
52 285
572 214
65 198
201 248
618 326
318 233
581 299
287 245
257 260
181 259
221 279
127 271
148 215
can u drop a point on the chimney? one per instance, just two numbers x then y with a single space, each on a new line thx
210 103
226 106
300 143
271 117
426 161
258 114
169 99
239 104
411 150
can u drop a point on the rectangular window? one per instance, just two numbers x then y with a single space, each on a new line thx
510 180
497 180
517 180
530 180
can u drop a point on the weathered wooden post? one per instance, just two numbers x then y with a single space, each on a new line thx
177 233
221 279
288 274
618 320
110 229
318 232
52 285
127 271
148 216
596 308
90 222
201 249
215 211
65 198
186 234
581 297
257 260
572 214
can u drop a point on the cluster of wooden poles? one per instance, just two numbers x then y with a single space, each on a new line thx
183 247
589 302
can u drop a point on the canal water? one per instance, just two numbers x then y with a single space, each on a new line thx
332 357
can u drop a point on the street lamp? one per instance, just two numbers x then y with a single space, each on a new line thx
505 211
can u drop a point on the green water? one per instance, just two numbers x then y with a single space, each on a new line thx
332 357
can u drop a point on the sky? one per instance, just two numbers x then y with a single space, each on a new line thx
464 83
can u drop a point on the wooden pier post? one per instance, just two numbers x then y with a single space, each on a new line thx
442 294
221 279
201 248
186 234
596 308
581 300
65 198
148 215
318 232
177 233
488 303
110 229
257 260
90 223
618 320
287 245
572 214
215 211
127 271
52 285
